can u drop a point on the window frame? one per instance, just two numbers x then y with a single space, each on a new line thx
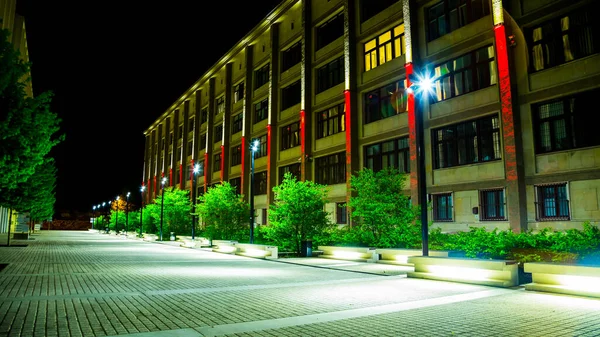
330 74
260 183
449 207
499 206
396 45
261 76
237 123
291 56
291 95
397 151
263 113
451 140
463 20
331 169
294 169
291 138
236 155
374 111
541 207
341 213
217 158
220 105
262 147
218 133
330 125
327 32
238 92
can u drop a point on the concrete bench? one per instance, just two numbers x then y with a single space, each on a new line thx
186 241
564 278
150 237
362 254
224 246
399 256
255 250
498 273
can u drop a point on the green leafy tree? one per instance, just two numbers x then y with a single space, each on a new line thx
176 212
224 213
384 215
28 129
298 213
113 223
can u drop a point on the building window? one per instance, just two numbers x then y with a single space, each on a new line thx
392 153
191 124
237 124
260 183
236 183
449 15
552 202
190 147
491 203
331 169
238 92
263 218
262 148
236 155
442 207
465 143
385 102
564 124
563 39
330 74
217 161
290 136
341 213
473 71
370 8
180 131
220 105
204 115
171 139
384 48
261 76
291 56
330 30
261 111
290 95
202 142
331 121
294 169
218 133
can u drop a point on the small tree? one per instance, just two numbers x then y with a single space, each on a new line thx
224 212
298 212
384 214
176 212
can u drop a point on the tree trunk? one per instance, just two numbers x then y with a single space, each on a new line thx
8 236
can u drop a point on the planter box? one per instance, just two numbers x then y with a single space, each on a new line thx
186 241
150 237
564 278
498 273
363 254
399 256
254 250
224 246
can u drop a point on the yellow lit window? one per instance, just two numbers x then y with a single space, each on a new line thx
384 48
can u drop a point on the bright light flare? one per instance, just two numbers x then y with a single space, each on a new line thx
424 84
196 168
255 145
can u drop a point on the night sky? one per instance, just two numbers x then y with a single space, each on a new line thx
114 69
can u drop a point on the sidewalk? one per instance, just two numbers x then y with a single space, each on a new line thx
87 284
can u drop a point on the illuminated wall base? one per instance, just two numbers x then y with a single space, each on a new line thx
497 273
198 242
363 254
398 256
564 279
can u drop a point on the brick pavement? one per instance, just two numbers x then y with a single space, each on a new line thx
88 284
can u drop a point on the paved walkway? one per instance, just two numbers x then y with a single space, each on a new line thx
88 284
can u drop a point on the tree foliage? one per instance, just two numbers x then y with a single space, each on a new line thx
28 131
224 213
384 215
298 212
176 212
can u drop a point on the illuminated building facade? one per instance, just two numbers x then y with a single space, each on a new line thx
322 85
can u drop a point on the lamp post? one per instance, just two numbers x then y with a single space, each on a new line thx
196 170
104 218
94 215
117 215
423 86
142 211
162 204
253 149
127 215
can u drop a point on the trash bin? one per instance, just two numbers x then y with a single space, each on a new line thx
106 230
172 238
306 248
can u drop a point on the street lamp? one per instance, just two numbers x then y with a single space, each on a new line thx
162 204
127 215
104 218
117 215
422 86
196 170
141 211
253 148
94 215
